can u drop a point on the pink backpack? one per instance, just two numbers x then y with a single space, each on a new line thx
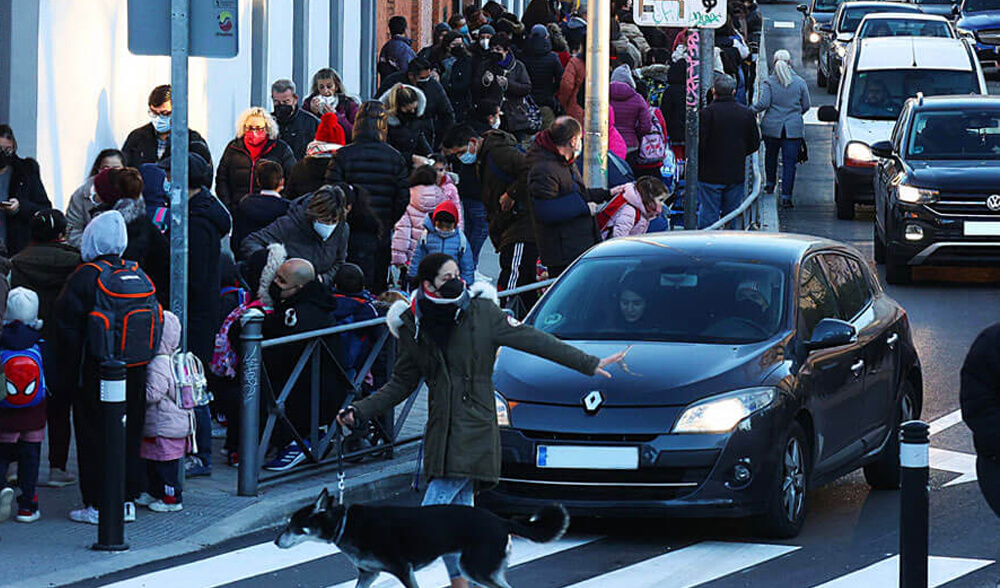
653 147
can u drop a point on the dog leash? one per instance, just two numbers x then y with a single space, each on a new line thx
341 485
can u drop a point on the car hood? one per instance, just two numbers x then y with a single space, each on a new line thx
974 21
868 131
653 374
947 175
936 9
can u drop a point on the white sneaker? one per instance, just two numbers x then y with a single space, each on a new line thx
6 500
160 506
145 499
28 516
129 512
89 515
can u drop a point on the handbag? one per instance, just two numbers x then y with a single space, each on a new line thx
803 155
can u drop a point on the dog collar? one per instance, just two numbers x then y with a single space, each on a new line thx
343 525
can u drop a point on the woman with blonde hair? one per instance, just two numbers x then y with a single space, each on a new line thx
328 94
784 98
408 129
256 139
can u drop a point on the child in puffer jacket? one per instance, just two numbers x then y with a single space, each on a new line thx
632 207
428 188
168 429
443 236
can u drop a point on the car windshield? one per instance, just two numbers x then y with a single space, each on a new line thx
825 5
673 296
969 134
903 27
852 16
980 5
880 94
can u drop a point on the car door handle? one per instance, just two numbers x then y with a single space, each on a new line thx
857 366
892 340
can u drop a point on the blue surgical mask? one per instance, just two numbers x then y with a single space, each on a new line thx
464 30
323 230
468 158
445 234
160 123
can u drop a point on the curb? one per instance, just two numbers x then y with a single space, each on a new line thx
276 504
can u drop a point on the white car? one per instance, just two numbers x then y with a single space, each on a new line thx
904 24
879 75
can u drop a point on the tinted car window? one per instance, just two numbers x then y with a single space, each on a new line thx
901 27
966 134
981 5
849 283
816 299
825 5
670 297
880 94
851 18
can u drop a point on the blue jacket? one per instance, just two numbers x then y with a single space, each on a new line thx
354 308
395 55
455 245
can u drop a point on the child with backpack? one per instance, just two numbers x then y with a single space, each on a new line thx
22 408
443 236
169 427
632 207
428 188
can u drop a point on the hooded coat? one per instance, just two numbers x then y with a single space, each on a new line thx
146 244
412 137
295 231
455 245
80 211
208 224
234 178
544 69
410 228
44 268
438 113
256 211
632 117
616 143
572 80
346 109
462 439
164 418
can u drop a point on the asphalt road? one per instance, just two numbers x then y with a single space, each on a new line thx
851 536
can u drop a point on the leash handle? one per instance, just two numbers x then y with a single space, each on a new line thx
341 485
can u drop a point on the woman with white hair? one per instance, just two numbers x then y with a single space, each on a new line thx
256 139
784 98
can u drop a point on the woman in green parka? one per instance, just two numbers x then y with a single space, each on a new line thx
449 335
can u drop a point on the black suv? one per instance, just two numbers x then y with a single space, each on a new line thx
937 186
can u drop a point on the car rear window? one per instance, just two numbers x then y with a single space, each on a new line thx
851 18
674 297
981 5
966 134
902 27
880 94
826 5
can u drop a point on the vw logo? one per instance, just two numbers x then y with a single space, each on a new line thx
593 401
993 202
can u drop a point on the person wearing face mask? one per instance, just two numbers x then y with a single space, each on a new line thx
256 138
314 229
455 67
22 193
442 235
408 128
296 127
151 142
438 111
328 94
564 227
448 336
84 198
461 146
545 71
505 79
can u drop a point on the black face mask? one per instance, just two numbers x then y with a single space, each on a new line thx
275 292
459 52
453 288
283 112
5 158
407 116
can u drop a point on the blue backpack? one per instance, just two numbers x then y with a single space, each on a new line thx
25 379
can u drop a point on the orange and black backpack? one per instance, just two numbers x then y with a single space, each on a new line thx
127 321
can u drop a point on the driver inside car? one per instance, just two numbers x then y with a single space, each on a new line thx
751 302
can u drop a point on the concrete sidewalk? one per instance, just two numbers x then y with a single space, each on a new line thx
55 551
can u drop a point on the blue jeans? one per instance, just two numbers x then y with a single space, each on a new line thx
477 227
450 491
717 200
789 159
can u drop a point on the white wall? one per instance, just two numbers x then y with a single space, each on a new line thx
352 46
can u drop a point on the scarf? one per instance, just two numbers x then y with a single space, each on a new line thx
438 315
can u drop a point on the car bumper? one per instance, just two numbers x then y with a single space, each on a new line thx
989 56
678 475
857 181
944 241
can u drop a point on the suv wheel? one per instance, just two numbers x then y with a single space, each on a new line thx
884 473
879 244
787 505
820 76
844 201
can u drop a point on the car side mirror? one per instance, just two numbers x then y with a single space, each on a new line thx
827 114
825 28
803 8
955 10
882 149
831 333
845 37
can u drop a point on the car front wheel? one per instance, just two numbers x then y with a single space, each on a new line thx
884 473
787 505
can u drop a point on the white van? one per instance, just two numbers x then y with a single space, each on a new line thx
879 75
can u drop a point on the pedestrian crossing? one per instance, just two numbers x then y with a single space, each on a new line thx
703 563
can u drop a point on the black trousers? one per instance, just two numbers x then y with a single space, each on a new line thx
27 457
517 268
164 480
988 471
57 410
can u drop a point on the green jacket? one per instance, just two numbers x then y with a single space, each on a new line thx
462 439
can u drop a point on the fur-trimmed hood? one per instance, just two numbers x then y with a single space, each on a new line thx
395 317
421 103
276 255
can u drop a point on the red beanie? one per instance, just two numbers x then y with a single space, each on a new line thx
329 130
105 187
446 206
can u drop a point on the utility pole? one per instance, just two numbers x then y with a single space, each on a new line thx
595 135
179 51
701 70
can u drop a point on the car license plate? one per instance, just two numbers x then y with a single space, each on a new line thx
587 458
983 229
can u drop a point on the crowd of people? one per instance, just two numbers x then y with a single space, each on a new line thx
325 209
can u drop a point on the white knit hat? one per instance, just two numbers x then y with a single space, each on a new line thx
22 306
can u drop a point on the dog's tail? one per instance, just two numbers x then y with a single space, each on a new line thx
548 524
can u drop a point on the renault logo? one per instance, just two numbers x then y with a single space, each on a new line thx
993 202
593 401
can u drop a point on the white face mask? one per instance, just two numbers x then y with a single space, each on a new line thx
496 122
330 101
484 43
324 230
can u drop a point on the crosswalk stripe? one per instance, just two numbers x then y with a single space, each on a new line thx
885 574
231 567
523 551
691 566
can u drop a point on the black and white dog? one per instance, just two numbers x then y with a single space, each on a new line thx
400 540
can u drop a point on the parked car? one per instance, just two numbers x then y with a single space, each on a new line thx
817 12
759 365
937 184
893 24
980 20
879 76
935 7
838 34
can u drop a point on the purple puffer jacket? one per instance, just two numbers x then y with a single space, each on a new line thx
410 227
632 117
163 417
347 111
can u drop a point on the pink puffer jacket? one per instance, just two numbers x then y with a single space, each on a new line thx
625 223
616 143
163 417
410 228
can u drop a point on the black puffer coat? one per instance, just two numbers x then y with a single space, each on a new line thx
26 186
253 213
44 268
544 69
980 392
208 223
377 167
511 98
298 131
307 175
673 103
234 178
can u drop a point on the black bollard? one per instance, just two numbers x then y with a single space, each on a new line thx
111 527
250 403
914 525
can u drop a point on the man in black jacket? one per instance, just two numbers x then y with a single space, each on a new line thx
729 134
980 400
438 112
295 126
21 193
151 142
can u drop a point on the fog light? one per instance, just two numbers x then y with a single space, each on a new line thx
914 232
741 474
814 38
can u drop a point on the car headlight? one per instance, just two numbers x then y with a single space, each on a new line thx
915 195
503 410
858 154
721 414
814 37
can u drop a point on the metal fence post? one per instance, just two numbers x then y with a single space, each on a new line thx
111 526
250 339
914 449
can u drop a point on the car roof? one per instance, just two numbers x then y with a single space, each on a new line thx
906 15
956 102
904 7
775 248
921 52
